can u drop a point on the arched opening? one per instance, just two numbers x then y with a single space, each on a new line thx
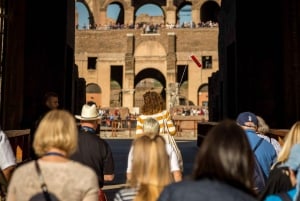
184 16
210 12
93 93
148 79
149 14
115 15
203 95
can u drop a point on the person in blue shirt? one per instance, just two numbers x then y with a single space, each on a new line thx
265 152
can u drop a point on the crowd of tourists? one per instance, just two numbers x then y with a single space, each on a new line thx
147 27
70 161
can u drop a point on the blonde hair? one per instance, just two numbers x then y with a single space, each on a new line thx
262 125
151 126
56 130
292 138
150 167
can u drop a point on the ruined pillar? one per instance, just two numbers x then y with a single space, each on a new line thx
171 65
128 89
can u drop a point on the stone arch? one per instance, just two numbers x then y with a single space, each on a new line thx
123 6
209 11
93 93
151 18
91 13
203 95
149 73
137 3
179 7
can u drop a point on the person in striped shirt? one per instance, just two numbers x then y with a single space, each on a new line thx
154 107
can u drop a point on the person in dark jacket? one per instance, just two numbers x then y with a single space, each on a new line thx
223 169
50 102
93 151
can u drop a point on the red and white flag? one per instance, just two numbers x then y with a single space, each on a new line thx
197 62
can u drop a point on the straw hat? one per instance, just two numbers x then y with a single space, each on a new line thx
88 113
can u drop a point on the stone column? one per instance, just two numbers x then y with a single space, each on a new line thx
128 89
101 17
171 64
129 16
170 11
196 15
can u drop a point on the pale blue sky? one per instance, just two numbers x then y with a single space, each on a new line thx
113 11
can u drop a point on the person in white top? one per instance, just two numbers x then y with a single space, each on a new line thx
7 156
262 129
152 127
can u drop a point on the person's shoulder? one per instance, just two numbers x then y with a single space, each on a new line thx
24 168
3 136
273 198
185 184
126 194
84 169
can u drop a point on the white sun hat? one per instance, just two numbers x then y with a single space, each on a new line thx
88 113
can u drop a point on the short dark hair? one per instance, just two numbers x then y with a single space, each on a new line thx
49 94
90 103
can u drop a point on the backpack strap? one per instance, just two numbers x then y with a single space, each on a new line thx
284 196
257 145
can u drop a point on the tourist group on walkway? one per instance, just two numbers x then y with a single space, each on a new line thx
70 161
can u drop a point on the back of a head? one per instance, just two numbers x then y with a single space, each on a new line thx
153 103
150 164
151 126
226 155
247 120
278 181
56 130
262 125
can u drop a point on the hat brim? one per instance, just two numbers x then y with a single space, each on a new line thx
87 119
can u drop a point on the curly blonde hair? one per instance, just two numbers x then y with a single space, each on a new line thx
153 103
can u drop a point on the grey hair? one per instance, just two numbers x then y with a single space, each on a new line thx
262 125
151 125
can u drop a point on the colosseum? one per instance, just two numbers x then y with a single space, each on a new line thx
121 59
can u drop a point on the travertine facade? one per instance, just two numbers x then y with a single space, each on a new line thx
163 56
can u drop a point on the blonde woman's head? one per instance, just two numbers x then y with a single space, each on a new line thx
56 130
150 166
292 138
151 126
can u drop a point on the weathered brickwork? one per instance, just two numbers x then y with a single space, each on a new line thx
162 51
